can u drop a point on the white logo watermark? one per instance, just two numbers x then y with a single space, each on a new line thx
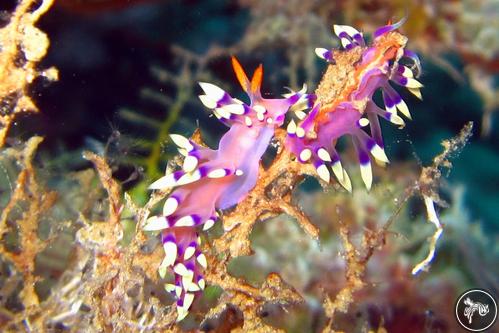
474 306
476 310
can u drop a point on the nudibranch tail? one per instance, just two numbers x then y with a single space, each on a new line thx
215 179
345 106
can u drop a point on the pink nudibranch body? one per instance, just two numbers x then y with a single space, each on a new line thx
345 106
215 179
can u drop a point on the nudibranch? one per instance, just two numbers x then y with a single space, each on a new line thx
345 101
212 180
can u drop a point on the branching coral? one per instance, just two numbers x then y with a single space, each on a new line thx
26 194
102 275
357 257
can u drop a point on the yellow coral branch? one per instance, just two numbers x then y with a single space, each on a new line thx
21 37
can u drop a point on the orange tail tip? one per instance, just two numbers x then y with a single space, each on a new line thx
240 74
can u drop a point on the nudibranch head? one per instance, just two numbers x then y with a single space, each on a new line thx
344 101
260 112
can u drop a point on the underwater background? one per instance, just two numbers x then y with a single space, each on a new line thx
128 73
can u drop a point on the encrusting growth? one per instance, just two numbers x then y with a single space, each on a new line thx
212 180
